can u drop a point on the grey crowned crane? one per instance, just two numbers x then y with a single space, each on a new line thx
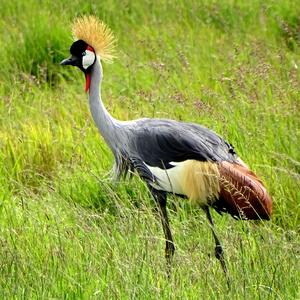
185 159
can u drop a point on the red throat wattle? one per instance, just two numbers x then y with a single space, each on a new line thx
87 81
88 75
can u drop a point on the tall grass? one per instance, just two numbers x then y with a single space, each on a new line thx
66 231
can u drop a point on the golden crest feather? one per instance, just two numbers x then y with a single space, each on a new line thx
96 34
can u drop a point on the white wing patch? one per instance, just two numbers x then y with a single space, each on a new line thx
88 59
169 179
199 181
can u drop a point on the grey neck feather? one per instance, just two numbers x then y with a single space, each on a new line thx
107 125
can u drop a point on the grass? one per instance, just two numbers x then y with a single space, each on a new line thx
66 231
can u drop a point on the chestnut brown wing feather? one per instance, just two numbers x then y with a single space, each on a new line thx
242 193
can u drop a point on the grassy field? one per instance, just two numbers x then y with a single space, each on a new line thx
66 231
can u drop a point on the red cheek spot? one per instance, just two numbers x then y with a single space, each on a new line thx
90 48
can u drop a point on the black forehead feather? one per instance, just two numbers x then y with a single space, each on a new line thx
78 47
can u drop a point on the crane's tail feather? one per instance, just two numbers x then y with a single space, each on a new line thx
242 193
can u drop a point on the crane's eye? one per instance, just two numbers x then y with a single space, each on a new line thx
83 53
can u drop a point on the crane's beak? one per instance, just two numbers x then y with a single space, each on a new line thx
76 61
72 61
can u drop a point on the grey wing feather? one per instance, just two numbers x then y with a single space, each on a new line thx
158 142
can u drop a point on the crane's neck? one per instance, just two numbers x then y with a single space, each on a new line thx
107 125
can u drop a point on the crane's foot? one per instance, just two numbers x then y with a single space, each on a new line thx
219 253
169 253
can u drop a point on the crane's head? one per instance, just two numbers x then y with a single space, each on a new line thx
93 39
82 56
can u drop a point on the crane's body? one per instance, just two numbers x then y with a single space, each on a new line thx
172 157
181 158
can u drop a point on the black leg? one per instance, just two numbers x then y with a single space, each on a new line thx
161 199
219 253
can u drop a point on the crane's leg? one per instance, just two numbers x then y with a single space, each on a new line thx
219 253
161 199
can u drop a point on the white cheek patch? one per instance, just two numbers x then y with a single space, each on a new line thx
88 59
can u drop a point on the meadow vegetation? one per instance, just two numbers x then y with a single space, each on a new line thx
66 231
